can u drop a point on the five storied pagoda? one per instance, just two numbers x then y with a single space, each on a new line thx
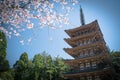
91 56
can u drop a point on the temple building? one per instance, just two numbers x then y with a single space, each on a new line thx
91 56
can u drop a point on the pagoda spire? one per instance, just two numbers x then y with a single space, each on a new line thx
82 17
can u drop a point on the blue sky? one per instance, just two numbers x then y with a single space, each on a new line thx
105 11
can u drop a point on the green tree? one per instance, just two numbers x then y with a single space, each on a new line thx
115 56
50 67
42 65
59 68
4 64
47 64
47 68
22 68
5 73
38 65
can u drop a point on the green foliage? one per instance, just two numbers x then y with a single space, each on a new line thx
42 67
4 66
115 56
3 41
3 46
59 67
5 72
22 68
7 76
37 62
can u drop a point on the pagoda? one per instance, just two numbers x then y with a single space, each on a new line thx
91 55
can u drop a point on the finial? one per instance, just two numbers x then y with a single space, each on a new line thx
82 16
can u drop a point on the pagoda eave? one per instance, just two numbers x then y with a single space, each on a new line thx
90 25
72 39
97 72
101 55
69 50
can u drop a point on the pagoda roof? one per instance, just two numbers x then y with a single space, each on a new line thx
97 56
70 51
71 40
92 24
93 72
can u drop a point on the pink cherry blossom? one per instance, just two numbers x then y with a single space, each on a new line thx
17 15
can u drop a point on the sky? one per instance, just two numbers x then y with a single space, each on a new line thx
52 40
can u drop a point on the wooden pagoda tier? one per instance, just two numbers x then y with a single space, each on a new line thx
91 59
84 29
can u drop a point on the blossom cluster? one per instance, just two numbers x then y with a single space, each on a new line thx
14 14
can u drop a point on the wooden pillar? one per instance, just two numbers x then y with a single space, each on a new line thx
90 63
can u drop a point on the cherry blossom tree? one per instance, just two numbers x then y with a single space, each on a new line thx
14 14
